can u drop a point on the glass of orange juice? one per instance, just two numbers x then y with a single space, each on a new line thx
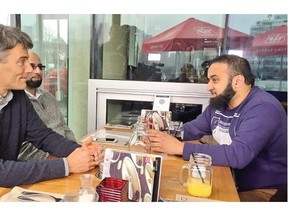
199 175
200 186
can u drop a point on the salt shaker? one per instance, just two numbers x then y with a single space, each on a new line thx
87 193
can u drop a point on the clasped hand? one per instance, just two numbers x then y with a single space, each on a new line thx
85 158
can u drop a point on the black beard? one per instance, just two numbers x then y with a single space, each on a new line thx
33 84
223 99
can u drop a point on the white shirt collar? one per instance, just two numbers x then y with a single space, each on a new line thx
4 100
31 96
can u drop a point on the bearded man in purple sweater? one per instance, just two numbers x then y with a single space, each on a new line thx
248 124
19 122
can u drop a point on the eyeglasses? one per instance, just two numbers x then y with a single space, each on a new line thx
40 66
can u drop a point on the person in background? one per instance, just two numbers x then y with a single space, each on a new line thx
47 108
190 72
20 122
182 78
204 71
249 125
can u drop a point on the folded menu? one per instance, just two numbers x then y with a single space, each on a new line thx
142 170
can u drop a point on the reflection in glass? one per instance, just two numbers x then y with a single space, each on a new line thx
187 39
127 112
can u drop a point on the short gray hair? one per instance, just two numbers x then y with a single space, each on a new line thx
10 37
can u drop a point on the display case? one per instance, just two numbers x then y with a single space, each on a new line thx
120 102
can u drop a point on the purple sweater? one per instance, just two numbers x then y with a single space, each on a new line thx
19 122
253 140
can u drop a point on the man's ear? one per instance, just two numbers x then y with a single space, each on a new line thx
238 81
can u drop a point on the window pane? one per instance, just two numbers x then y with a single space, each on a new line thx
49 35
160 47
267 53
163 48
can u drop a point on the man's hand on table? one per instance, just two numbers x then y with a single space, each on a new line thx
94 149
85 158
164 142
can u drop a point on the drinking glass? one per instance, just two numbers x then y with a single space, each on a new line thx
139 140
176 129
200 175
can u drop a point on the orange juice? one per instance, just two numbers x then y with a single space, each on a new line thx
196 187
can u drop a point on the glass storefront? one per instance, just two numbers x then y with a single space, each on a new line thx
172 49
177 49
49 35
149 48
63 43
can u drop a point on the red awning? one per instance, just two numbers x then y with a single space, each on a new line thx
193 34
273 42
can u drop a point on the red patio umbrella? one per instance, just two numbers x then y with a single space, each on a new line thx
273 42
192 34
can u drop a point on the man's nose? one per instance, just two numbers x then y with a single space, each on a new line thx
37 70
28 68
209 86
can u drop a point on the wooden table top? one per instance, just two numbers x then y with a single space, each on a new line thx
223 185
